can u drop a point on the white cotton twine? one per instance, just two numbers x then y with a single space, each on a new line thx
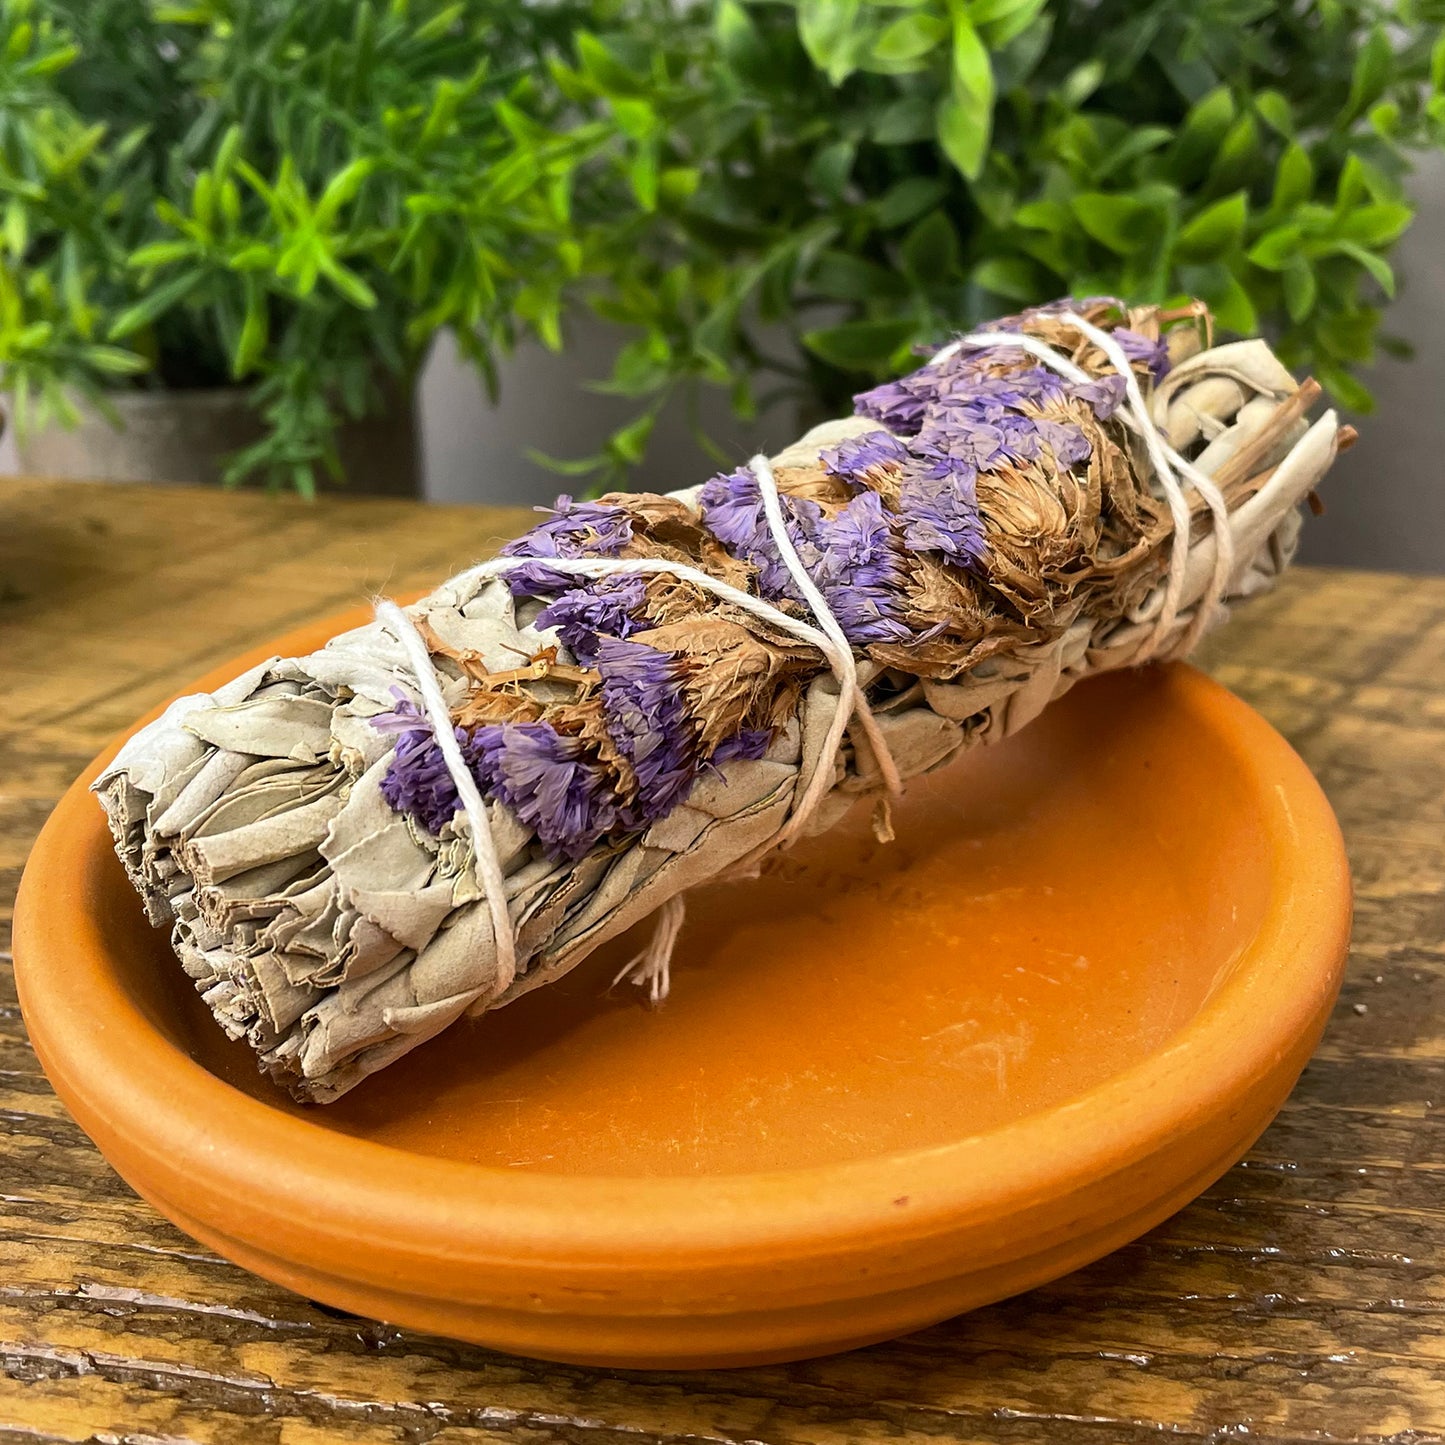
651 967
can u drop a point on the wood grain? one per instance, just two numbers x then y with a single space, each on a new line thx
1301 1300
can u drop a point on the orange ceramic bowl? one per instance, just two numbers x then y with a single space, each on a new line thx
891 1084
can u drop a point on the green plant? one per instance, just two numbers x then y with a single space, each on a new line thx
295 196
298 196
873 173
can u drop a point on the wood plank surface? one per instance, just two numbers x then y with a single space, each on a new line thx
1302 1299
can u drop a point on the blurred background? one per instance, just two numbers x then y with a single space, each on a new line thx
410 249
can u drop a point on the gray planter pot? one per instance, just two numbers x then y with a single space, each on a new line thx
186 437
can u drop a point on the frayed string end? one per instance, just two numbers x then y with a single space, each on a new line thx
652 968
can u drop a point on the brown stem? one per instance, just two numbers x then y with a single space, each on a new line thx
1247 459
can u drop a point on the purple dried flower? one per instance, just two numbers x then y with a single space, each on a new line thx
732 510
537 579
1036 385
549 781
643 704
852 558
1067 441
606 606
854 457
575 529
1141 348
939 504
900 405
947 424
1105 394
404 717
417 781
964 436
857 562
750 744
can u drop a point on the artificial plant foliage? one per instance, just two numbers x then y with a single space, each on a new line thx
867 173
297 197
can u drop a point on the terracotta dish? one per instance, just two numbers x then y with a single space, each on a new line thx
891 1083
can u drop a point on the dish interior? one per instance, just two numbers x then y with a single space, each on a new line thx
1053 910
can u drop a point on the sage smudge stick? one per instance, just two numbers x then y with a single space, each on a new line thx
984 531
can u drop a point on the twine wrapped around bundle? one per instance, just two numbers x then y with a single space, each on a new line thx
452 806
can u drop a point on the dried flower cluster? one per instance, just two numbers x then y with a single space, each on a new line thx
991 494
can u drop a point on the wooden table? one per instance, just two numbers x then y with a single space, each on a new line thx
1301 1299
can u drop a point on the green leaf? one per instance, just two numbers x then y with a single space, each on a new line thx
1276 112
229 149
930 251
640 367
603 69
963 123
160 253
61 58
642 172
1437 64
1004 20
568 466
907 200
909 38
1345 389
636 118
114 361
907 119
739 42
1352 187
1237 154
1232 307
1294 180
1373 67
341 189
840 276
1122 224
251 342
1377 266
1300 289
1013 277
1080 83
433 29
858 345
972 69
1277 247
629 443
1202 134
255 257
154 305
679 183
831 35
1215 231
1138 142
345 280
1385 119
1051 216
830 168
1376 225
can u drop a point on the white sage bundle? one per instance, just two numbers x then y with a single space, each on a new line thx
643 692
